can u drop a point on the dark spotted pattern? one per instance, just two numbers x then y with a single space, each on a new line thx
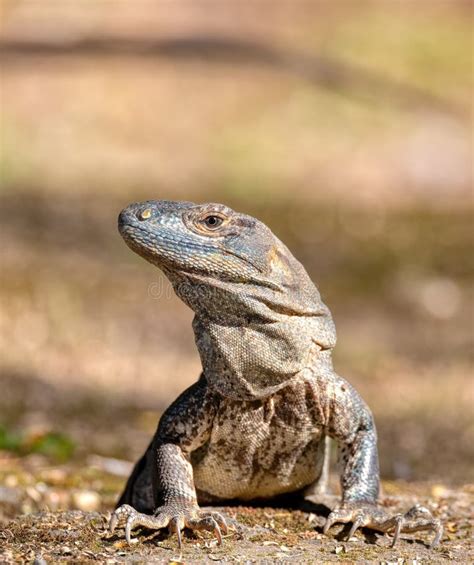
254 425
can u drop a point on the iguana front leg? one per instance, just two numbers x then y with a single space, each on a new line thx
179 507
185 426
349 421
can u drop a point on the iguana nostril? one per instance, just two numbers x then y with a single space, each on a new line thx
122 219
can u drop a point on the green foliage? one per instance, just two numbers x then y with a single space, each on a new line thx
9 441
54 445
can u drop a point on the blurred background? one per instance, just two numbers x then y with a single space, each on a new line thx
345 126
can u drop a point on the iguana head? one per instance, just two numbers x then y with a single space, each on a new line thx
241 281
209 240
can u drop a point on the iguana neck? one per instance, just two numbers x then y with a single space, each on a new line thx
252 339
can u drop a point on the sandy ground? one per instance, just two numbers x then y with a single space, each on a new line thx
263 535
59 513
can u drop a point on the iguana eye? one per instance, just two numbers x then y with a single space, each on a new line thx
145 214
212 222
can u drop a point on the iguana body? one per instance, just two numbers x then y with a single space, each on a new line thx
254 425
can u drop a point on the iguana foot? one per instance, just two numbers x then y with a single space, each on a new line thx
175 517
367 515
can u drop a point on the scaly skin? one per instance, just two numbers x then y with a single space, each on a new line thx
255 424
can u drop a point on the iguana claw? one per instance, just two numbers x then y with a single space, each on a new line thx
371 516
176 519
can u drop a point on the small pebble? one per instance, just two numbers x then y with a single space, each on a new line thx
86 500
439 491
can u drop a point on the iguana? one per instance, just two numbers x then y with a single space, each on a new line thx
254 425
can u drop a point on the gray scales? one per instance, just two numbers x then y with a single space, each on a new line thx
255 425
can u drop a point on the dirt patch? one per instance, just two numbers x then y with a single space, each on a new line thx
263 535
